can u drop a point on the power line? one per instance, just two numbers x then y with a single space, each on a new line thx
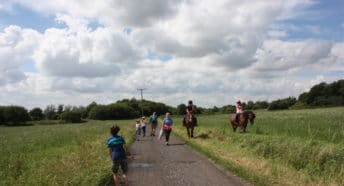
141 91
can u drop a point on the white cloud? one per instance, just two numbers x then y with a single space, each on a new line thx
221 50
276 56
16 46
85 53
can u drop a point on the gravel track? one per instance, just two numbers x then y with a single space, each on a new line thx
156 164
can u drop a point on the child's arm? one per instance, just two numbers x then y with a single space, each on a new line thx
126 149
110 152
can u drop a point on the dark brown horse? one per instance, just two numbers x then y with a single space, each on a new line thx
189 122
242 120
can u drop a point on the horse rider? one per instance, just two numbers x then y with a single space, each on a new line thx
189 110
239 110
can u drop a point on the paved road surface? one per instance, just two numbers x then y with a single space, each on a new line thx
156 164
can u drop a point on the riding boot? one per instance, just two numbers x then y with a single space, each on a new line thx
237 118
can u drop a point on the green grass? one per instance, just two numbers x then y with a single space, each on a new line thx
294 147
60 154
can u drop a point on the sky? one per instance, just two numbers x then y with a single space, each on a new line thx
211 52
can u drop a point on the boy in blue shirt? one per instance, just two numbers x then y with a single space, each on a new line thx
118 154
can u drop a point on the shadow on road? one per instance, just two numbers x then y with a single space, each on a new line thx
175 144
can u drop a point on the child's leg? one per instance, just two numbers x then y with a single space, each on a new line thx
125 178
124 167
115 179
115 168
144 131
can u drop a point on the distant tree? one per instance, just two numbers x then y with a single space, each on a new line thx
324 95
260 105
227 109
15 115
50 112
100 112
122 111
2 118
68 108
249 105
36 114
181 109
60 109
281 104
88 109
215 109
71 117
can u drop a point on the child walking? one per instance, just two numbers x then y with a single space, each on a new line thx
167 127
138 129
118 154
143 126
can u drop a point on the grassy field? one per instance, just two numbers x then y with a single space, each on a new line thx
293 147
60 154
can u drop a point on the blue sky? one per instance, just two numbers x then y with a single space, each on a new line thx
326 17
27 18
106 50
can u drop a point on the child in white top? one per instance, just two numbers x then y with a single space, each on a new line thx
138 128
143 126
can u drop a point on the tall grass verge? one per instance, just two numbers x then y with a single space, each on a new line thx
303 147
61 154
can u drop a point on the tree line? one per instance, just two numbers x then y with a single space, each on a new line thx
322 94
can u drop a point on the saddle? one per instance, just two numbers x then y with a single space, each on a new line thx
235 118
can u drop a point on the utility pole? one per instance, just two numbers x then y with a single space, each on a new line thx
141 91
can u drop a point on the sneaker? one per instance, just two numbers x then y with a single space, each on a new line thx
166 143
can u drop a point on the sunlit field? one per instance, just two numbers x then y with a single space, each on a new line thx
60 154
292 147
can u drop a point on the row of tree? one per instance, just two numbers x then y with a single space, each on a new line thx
319 95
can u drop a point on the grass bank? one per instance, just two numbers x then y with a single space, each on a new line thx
296 147
61 154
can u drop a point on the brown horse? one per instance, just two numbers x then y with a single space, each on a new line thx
242 120
189 122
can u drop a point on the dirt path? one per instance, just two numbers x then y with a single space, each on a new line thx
156 164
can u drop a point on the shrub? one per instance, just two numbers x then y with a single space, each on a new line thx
282 104
100 112
71 117
36 114
2 119
14 115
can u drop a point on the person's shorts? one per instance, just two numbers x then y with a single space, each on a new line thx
120 163
154 125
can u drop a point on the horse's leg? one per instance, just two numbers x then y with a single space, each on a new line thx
192 131
188 131
233 126
242 128
245 127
